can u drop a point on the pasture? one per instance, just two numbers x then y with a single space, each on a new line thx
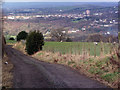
10 41
80 48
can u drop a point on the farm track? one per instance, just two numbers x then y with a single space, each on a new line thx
31 73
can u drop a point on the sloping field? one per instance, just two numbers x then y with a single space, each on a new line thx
89 48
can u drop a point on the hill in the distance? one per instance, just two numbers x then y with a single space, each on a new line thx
18 5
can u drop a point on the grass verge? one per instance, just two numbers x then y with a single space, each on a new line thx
7 75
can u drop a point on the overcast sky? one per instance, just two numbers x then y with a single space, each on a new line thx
60 0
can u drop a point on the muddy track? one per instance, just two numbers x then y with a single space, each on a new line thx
31 73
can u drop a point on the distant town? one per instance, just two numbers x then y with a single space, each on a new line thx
101 20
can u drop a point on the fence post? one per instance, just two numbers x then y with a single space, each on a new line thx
95 51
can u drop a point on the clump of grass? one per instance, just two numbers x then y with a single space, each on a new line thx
40 54
110 76
20 46
71 62
94 70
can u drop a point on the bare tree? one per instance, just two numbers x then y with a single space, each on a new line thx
59 34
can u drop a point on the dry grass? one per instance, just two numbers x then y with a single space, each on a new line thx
20 46
100 68
7 73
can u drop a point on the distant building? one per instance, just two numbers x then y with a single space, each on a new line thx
83 29
72 31
106 25
87 12
11 17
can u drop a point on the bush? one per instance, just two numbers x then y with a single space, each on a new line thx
22 35
110 76
68 40
11 38
34 42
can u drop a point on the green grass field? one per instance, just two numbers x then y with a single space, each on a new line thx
78 47
10 41
75 21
